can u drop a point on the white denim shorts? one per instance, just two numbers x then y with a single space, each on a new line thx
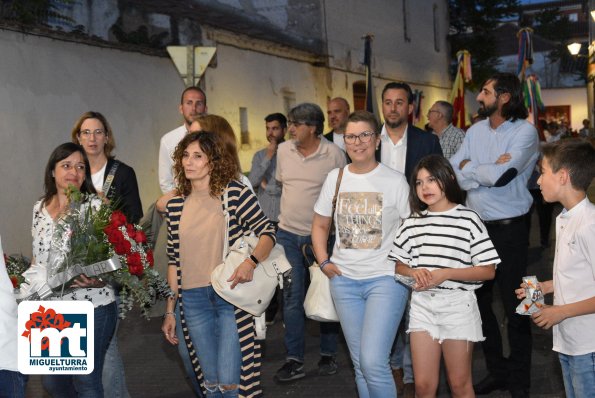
446 315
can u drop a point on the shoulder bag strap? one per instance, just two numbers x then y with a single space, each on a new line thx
335 199
226 216
110 178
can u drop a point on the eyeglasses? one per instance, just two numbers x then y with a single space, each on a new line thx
87 133
295 123
364 137
432 110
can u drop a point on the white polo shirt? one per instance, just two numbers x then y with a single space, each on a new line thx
574 277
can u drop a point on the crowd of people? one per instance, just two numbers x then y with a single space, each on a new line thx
412 228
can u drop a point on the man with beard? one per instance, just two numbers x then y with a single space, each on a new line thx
337 112
402 145
493 165
192 105
264 167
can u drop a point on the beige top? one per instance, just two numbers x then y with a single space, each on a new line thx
302 178
202 229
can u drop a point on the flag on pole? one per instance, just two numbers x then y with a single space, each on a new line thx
416 114
525 54
460 118
533 101
371 105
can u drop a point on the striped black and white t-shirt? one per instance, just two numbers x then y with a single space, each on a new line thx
455 238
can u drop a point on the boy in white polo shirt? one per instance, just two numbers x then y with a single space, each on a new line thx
568 167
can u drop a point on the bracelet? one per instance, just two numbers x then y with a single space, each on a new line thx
324 263
252 262
169 313
254 259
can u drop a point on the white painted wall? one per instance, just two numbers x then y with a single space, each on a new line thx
45 86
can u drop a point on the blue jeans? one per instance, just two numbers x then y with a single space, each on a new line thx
114 378
293 302
87 386
185 355
401 352
579 375
212 326
12 384
370 311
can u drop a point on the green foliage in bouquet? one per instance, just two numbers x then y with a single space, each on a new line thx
93 232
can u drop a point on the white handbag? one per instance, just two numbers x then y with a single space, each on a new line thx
318 304
254 296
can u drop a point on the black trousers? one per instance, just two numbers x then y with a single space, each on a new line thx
511 243
545 212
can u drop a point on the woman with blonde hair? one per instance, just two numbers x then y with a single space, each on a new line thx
95 135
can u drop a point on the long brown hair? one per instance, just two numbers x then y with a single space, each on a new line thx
440 168
60 153
222 168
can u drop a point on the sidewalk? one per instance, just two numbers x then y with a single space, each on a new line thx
153 369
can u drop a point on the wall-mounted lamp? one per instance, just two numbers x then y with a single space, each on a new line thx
574 48
593 15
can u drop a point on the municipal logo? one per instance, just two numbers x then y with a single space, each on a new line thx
55 337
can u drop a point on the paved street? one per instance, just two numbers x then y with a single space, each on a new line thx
154 371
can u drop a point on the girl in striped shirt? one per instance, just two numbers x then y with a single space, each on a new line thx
445 248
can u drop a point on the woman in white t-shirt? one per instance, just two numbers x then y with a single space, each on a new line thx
371 202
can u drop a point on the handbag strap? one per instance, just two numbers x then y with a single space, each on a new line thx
110 178
307 247
339 178
226 216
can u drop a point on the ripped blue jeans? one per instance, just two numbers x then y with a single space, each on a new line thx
212 326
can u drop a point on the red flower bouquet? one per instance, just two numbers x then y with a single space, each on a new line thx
94 239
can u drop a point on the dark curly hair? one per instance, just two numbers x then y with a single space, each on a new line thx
222 165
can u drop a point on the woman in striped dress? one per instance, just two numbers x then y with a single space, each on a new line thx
216 333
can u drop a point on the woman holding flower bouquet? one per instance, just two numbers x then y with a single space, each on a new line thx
68 167
222 335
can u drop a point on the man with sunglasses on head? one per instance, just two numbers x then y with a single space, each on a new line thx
303 163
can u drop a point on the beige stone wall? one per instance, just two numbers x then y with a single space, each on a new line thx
46 85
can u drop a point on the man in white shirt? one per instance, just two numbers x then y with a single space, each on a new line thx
192 105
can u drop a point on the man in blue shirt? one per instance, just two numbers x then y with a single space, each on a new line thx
493 165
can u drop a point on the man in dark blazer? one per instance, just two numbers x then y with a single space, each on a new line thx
402 145
401 148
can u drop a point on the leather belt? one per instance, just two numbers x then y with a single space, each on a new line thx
505 221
